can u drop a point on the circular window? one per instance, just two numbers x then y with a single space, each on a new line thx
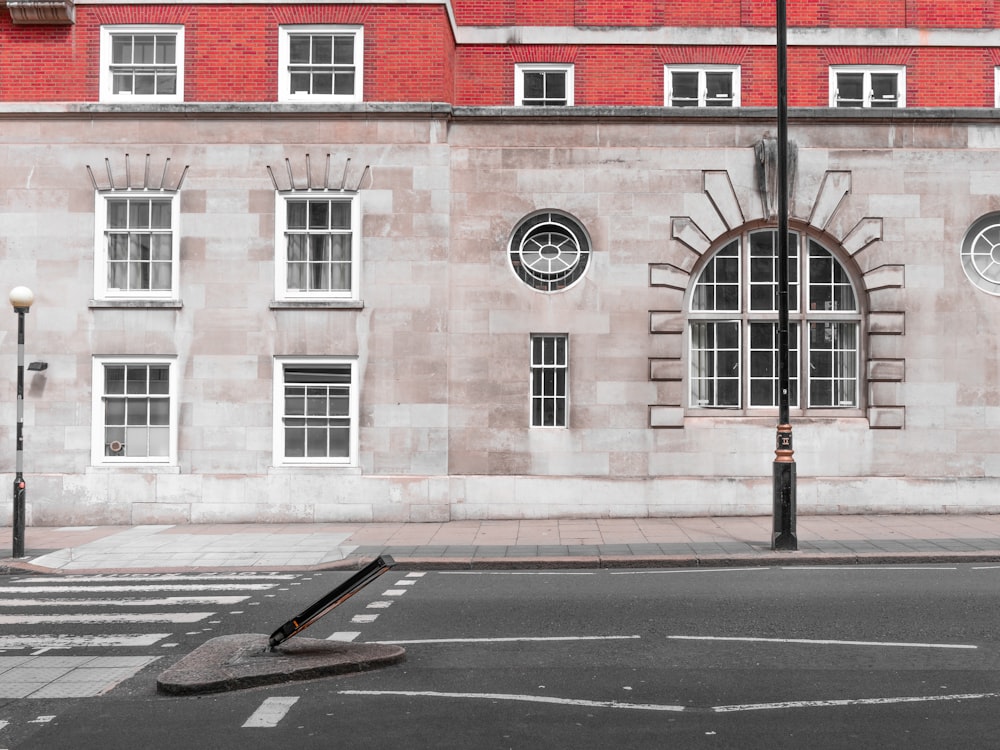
549 251
981 254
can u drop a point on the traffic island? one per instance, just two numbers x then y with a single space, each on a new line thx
235 662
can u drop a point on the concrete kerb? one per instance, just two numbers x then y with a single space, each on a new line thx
237 662
13 566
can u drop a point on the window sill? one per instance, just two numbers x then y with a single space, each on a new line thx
134 468
317 304
705 416
289 469
167 304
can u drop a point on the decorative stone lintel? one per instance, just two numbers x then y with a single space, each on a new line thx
48 12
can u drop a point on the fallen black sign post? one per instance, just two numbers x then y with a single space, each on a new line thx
339 595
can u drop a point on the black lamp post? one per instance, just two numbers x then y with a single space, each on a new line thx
21 298
783 536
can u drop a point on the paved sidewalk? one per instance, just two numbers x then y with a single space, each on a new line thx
615 542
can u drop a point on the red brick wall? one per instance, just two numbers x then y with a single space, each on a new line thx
231 52
410 55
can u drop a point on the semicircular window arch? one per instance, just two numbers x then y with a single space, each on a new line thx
732 328
549 251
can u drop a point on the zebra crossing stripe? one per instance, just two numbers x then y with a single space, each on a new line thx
140 587
21 642
93 619
167 601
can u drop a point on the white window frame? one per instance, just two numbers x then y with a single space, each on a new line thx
522 68
281 290
98 457
550 402
107 80
746 304
702 71
996 86
101 289
867 70
280 365
285 93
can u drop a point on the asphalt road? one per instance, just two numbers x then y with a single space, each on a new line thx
794 657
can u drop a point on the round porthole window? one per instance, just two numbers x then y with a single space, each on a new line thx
549 251
981 254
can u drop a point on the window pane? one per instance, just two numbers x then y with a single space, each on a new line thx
296 216
343 50
143 49
114 379
121 50
534 85
135 379
884 89
850 89
343 83
298 49
322 50
159 379
719 87
555 83
684 88
166 50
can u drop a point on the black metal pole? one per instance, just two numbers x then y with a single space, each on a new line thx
783 536
19 488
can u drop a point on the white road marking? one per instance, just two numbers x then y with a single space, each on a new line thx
94 619
142 587
16 642
818 642
667 707
686 570
344 635
404 582
3 723
379 605
515 572
167 601
415 575
521 698
853 702
137 577
520 639
270 712
393 592
362 619
894 568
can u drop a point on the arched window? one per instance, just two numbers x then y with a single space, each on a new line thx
733 327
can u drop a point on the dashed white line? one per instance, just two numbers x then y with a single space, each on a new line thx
344 635
393 592
818 642
270 712
379 605
363 619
